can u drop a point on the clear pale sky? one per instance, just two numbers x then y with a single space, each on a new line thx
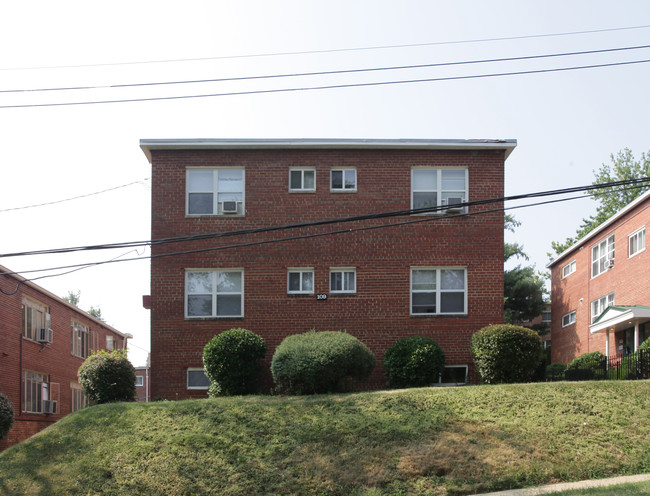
566 123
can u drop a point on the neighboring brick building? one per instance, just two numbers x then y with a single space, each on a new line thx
601 288
142 383
43 342
436 274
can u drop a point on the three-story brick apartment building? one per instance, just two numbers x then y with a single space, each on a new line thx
43 342
601 288
284 236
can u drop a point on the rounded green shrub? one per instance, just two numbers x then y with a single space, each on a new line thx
108 376
506 353
320 362
555 372
232 362
413 362
586 367
6 415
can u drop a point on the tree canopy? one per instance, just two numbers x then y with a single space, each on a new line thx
611 199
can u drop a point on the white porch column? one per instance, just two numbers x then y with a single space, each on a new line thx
636 335
606 345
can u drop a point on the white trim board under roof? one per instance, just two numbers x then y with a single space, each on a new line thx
600 228
507 145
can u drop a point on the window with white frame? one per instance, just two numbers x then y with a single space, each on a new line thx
110 343
139 380
636 242
35 316
214 293
546 317
343 179
438 188
601 254
599 305
437 291
80 341
300 281
568 319
302 180
196 379
78 398
215 192
343 280
569 269
34 391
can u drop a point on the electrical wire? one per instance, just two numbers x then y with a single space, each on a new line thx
326 73
342 231
333 50
74 197
325 87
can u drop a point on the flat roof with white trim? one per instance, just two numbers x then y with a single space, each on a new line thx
507 145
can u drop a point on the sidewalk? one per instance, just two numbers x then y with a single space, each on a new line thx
554 488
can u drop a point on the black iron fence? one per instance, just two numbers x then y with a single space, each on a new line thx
599 367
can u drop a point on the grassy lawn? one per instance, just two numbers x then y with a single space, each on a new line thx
441 441
637 489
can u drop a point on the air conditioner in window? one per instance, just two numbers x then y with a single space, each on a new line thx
49 406
454 205
609 263
44 335
229 207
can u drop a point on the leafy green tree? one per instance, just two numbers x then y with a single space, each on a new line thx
524 288
73 297
6 415
613 198
96 312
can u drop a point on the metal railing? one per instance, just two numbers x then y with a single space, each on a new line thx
633 366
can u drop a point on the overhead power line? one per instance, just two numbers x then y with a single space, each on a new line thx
333 50
53 202
327 86
629 184
326 73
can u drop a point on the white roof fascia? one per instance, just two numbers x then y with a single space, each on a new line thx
600 228
507 145
626 316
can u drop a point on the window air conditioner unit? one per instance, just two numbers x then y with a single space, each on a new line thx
49 406
229 207
609 263
44 335
454 205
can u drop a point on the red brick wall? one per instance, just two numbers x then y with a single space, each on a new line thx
378 313
141 391
55 359
629 280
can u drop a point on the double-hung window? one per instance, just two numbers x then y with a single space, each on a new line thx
568 319
34 391
568 269
300 281
78 399
601 254
215 192
599 305
197 379
636 242
80 345
343 179
35 317
438 189
302 180
214 293
437 291
343 280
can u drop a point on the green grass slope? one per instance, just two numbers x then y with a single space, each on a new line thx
424 441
